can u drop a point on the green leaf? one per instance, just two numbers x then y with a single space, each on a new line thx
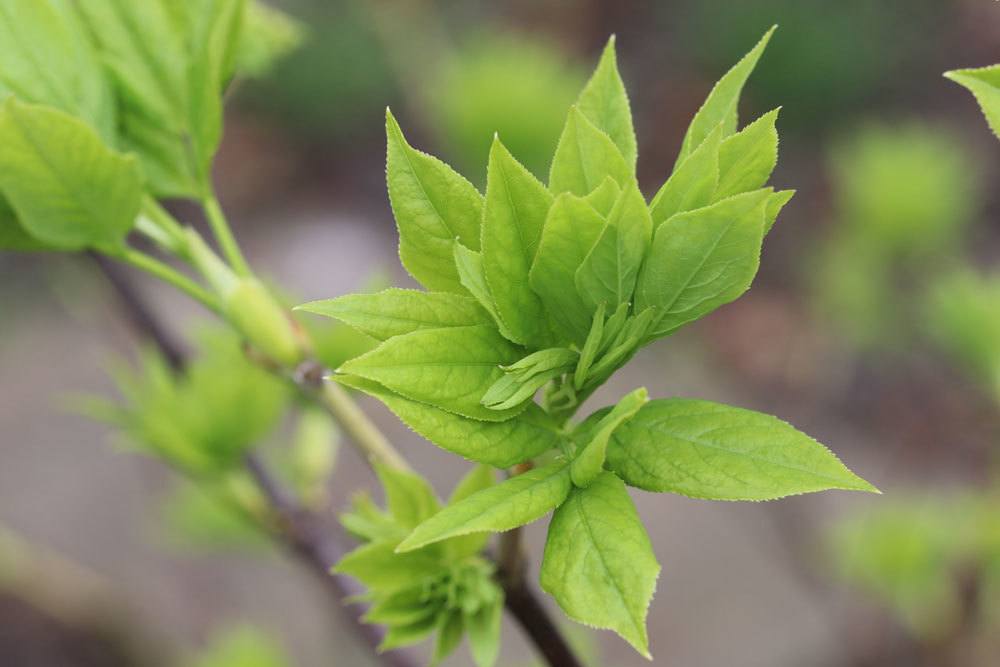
984 84
693 182
589 461
148 51
433 206
747 158
409 498
584 157
526 376
67 188
451 629
13 236
775 203
599 563
721 104
447 368
608 273
394 312
268 35
571 230
212 66
513 216
406 635
404 607
480 478
603 198
605 104
379 567
701 260
515 502
472 275
499 444
47 59
484 633
707 450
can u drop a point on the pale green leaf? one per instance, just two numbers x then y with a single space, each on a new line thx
589 461
747 158
145 48
721 104
451 629
591 346
500 444
708 450
603 198
13 236
775 203
515 502
402 607
692 183
472 276
571 230
608 273
483 628
433 206
448 368
379 567
526 376
406 635
584 157
394 312
47 59
513 216
599 563
67 188
984 84
701 260
605 103
480 478
408 497
268 35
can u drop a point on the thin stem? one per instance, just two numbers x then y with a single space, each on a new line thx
172 236
224 235
168 274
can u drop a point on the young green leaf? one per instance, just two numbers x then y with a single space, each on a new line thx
143 46
571 230
451 629
67 188
13 236
480 478
608 273
775 203
526 376
603 198
379 567
707 450
584 157
484 633
408 497
447 368
472 276
47 59
398 636
515 502
513 216
433 205
984 84
599 563
394 312
589 461
701 260
747 158
403 607
721 104
605 104
692 183
499 444
591 346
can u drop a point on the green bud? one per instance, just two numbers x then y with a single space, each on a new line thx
252 309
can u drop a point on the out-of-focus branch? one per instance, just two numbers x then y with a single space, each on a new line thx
302 531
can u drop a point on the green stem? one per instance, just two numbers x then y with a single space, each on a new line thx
169 275
365 435
224 235
170 230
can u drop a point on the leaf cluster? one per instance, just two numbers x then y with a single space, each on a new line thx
106 103
550 288
446 589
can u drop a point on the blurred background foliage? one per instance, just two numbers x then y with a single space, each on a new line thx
875 323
